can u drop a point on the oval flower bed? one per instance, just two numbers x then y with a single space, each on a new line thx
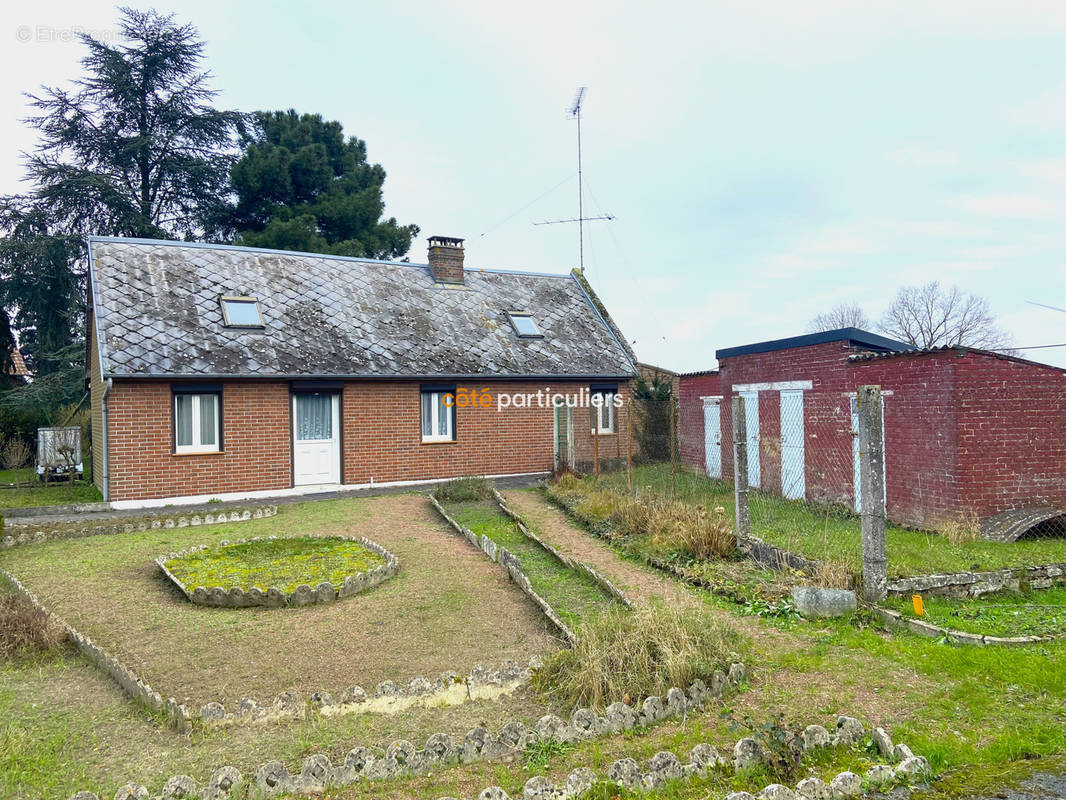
297 571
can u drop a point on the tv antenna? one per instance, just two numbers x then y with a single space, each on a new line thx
574 112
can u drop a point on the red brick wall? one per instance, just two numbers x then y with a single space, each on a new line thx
1011 435
921 435
255 438
381 438
690 416
919 424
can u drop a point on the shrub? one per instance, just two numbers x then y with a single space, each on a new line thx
26 631
463 490
15 453
634 654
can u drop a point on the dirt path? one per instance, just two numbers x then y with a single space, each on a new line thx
642 584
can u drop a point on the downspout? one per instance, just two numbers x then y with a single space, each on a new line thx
103 424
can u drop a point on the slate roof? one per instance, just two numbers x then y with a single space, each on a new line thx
156 308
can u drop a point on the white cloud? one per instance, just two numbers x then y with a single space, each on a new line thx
1009 205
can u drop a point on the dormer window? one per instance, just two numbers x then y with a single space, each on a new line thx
524 325
241 312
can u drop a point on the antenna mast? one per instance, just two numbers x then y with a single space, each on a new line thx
574 111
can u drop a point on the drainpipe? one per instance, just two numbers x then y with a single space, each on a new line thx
103 424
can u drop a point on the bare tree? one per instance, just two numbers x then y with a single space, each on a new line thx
844 315
931 316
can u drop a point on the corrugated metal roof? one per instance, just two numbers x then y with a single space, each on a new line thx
960 349
156 307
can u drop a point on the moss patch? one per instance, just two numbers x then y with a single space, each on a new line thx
284 563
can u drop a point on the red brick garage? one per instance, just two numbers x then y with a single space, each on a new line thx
969 434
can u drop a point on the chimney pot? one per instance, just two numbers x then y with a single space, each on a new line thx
446 259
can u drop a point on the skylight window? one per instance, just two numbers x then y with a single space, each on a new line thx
241 312
524 324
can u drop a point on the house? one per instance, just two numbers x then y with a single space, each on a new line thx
970 436
222 371
18 374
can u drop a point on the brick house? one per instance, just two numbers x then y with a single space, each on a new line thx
220 371
970 435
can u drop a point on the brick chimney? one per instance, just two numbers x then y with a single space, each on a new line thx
446 259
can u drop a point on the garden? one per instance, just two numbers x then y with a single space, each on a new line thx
975 714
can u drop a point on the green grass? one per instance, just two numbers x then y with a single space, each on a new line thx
1038 613
572 594
50 494
16 475
284 563
832 534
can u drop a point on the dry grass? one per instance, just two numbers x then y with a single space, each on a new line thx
26 632
835 575
960 531
463 490
689 529
449 607
631 655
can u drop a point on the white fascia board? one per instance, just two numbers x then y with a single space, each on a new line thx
776 386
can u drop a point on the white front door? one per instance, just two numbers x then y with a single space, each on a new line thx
751 423
712 436
316 441
793 476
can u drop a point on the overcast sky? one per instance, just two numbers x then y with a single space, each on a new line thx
764 160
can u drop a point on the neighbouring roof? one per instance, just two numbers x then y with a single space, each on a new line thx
157 314
18 364
958 349
854 337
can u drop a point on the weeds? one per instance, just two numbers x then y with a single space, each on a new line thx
26 632
782 745
636 654
463 490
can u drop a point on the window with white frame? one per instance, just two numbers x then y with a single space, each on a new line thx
196 423
241 312
603 410
438 414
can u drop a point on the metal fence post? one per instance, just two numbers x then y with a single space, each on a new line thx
740 471
872 479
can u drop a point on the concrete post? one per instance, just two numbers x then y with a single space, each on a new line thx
740 471
872 478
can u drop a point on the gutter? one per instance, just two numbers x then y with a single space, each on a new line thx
106 477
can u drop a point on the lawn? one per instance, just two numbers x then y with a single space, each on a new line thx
284 563
982 715
572 594
1038 613
834 535
54 493
447 609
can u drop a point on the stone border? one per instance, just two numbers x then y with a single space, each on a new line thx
318 774
388 697
53 531
975 584
563 559
132 684
929 630
512 564
665 766
273 597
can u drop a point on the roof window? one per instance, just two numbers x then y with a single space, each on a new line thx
241 312
524 325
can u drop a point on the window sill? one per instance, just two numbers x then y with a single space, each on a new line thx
438 441
601 433
198 453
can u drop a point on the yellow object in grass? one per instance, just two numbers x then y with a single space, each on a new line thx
919 607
